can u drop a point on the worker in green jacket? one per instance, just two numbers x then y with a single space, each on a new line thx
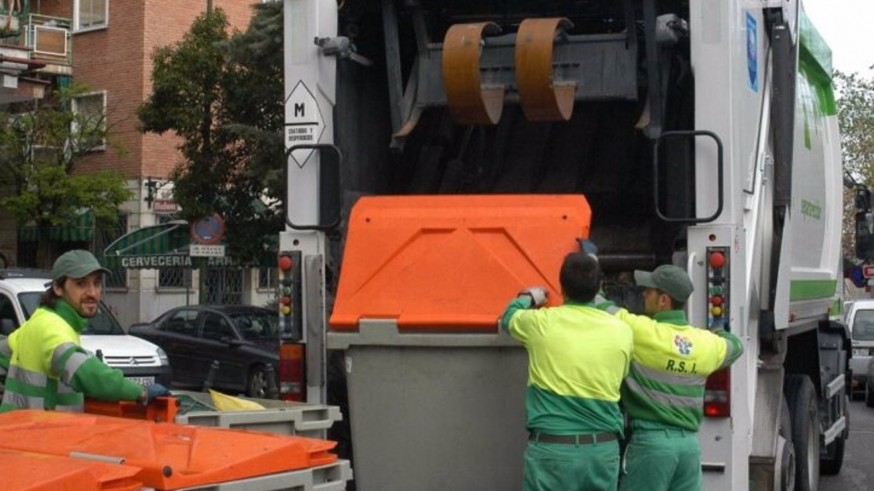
578 356
47 368
663 393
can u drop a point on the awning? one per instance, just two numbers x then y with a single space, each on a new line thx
155 247
165 246
81 230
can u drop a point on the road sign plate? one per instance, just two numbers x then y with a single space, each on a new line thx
200 250
304 123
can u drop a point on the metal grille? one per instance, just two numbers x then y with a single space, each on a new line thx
174 277
224 286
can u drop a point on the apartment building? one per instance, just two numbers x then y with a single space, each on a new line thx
107 45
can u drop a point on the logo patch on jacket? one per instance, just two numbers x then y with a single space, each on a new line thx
683 345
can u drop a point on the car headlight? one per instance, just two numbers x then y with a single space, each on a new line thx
163 357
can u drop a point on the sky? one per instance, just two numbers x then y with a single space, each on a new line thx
846 26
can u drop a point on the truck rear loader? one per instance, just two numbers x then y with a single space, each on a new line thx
442 155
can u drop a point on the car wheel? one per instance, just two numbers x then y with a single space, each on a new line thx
257 384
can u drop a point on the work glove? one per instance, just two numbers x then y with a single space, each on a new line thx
153 391
537 294
588 247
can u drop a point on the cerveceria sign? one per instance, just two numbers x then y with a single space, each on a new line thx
157 262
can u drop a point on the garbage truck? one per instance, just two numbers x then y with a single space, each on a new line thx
443 155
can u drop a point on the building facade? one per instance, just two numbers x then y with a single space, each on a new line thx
108 46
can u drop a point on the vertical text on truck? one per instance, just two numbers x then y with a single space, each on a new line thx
441 155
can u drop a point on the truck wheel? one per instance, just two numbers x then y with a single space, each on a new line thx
257 385
805 430
833 459
786 451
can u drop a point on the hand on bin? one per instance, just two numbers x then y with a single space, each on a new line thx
150 392
537 294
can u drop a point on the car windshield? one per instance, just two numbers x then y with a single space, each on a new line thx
863 325
257 326
102 323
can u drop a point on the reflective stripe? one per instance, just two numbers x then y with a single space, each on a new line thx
667 377
22 401
663 398
74 408
730 352
60 355
29 377
72 364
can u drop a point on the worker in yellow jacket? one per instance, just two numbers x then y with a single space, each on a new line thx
46 364
663 393
577 357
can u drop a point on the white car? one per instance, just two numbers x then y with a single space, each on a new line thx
140 361
860 319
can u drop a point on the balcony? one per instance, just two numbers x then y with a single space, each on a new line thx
50 40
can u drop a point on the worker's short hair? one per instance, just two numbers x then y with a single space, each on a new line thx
49 298
580 277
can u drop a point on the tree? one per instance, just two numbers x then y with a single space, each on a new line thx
856 122
39 150
222 94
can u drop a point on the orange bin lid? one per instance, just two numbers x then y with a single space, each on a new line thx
170 456
25 471
452 263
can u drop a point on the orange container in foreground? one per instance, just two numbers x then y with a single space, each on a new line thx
168 456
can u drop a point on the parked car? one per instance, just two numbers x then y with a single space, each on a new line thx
860 319
243 339
140 361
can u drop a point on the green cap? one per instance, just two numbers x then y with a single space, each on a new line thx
667 278
76 264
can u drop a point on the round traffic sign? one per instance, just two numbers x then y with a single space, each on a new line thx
209 230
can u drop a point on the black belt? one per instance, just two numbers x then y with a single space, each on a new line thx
587 439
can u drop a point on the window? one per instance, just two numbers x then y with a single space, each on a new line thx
8 319
268 278
89 122
90 14
216 327
181 322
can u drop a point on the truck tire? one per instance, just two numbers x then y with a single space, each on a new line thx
833 460
804 414
786 464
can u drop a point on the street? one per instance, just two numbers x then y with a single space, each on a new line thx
857 472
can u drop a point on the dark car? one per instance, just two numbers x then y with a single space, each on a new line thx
243 339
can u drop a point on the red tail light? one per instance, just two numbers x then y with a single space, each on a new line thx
292 386
717 395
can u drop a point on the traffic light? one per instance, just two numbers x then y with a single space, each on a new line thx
290 301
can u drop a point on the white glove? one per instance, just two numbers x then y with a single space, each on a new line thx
538 295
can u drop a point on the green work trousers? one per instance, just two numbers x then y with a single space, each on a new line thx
569 467
662 460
